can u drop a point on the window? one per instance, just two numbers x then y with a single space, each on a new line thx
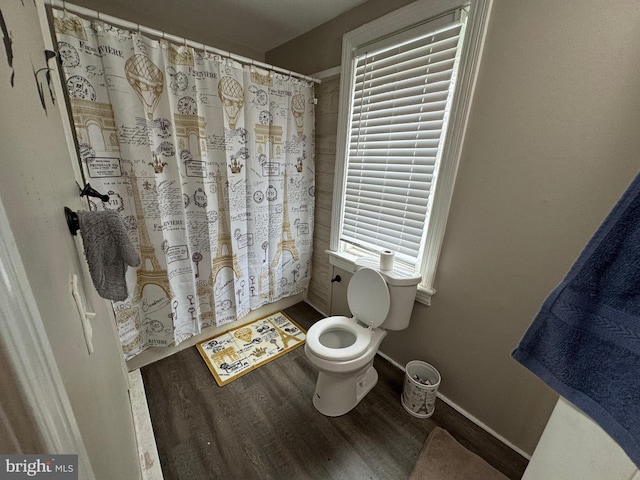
407 81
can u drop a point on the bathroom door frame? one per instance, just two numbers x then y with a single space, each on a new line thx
32 366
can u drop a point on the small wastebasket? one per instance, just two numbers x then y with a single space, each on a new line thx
421 384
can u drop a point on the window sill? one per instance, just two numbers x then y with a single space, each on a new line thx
347 262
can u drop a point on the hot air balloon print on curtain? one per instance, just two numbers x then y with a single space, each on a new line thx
297 108
231 95
146 79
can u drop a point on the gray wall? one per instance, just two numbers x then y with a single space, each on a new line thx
180 18
321 48
37 180
551 144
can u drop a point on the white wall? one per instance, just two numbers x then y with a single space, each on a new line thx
36 181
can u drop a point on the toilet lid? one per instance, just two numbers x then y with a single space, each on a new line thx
368 297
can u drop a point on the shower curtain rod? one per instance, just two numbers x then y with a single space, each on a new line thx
85 12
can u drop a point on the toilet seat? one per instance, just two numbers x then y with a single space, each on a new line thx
357 348
369 301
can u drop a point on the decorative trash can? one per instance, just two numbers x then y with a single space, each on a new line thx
421 384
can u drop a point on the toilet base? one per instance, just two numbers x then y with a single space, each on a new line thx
337 394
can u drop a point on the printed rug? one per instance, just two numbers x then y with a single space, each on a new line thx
443 458
233 353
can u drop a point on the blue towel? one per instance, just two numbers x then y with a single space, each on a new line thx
585 341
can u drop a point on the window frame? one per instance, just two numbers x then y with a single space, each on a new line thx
416 13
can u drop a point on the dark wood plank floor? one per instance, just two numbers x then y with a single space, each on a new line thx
264 426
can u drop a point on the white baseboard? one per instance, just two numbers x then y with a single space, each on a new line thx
147 451
467 415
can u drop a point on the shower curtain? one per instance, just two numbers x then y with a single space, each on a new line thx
209 164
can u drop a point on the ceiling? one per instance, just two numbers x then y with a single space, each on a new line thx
266 24
244 27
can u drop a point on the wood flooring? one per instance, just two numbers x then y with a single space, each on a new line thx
264 426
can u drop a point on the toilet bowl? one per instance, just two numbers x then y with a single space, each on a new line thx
343 348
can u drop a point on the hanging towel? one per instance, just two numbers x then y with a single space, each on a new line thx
108 250
585 341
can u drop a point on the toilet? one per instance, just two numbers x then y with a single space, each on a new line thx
343 348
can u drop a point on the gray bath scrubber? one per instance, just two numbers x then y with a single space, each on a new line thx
108 250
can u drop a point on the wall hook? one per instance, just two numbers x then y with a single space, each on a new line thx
89 191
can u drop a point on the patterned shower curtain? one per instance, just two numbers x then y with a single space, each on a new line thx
210 165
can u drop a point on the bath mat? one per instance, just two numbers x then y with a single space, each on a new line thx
443 458
231 354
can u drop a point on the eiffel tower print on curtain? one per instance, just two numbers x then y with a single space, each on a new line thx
149 271
267 279
224 255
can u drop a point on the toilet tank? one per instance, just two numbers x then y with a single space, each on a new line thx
403 285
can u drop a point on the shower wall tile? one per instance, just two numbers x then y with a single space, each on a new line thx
327 94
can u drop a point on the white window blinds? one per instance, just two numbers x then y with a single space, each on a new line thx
403 87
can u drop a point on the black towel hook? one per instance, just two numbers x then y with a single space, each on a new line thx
89 191
72 217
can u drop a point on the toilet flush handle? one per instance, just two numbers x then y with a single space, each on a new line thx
337 278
